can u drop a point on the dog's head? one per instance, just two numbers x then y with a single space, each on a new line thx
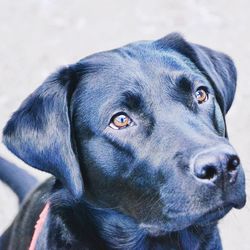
140 129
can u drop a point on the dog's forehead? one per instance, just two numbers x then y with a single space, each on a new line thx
138 65
140 70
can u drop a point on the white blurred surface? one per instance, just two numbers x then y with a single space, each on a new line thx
37 36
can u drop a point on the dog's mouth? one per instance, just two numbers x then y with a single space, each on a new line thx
219 212
181 222
213 215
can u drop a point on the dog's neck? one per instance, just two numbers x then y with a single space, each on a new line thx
98 228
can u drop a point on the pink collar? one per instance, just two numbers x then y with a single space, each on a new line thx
39 226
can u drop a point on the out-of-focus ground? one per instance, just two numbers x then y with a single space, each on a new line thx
38 36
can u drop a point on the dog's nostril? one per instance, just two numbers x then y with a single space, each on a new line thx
232 169
233 164
207 172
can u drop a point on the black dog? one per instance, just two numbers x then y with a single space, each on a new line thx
137 142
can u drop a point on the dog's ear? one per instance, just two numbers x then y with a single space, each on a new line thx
217 67
40 132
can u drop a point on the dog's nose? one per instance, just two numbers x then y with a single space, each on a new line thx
216 167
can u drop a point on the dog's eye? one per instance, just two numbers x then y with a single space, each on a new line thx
120 120
201 95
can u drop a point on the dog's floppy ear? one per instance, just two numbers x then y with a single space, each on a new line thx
40 133
218 68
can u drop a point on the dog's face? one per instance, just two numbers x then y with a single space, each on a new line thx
143 128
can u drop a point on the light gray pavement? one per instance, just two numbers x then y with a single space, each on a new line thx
38 36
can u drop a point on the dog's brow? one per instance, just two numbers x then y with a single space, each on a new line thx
132 100
184 83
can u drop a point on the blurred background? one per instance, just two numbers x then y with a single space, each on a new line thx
37 36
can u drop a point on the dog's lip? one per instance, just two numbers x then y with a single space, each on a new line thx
209 217
214 215
240 203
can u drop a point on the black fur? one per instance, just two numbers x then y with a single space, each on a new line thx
138 187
